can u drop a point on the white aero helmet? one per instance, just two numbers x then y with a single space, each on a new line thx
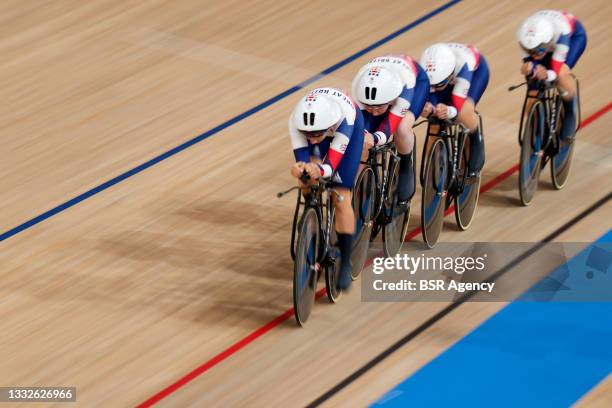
316 112
439 62
378 86
535 33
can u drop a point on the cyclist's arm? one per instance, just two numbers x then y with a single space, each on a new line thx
394 116
461 89
559 56
299 143
338 146
432 99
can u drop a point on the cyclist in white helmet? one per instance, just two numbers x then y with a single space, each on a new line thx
552 42
459 75
391 91
326 130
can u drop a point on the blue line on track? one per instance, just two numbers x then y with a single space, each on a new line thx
72 202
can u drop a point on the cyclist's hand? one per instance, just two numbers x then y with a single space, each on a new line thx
526 68
297 169
427 109
313 170
442 111
368 140
540 72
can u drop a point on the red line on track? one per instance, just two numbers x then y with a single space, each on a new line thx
240 344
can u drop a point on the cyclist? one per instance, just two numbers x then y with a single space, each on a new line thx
391 91
326 130
459 75
553 41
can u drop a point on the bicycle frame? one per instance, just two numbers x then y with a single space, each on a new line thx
547 93
453 135
319 198
379 158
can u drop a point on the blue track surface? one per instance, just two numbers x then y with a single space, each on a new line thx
531 353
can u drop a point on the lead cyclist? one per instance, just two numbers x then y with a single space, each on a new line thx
326 131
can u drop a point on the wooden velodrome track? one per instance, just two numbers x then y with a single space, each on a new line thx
132 288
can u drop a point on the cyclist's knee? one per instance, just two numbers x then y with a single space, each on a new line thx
345 201
364 153
566 83
345 219
404 134
467 116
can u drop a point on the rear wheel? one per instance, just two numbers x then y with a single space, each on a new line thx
332 263
363 205
434 192
305 267
396 226
531 153
467 198
560 163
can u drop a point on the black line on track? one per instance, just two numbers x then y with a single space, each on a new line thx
438 316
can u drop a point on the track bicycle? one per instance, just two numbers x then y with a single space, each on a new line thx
443 177
541 125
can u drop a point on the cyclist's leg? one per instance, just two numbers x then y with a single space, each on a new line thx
577 45
405 139
566 83
469 118
345 217
532 88
370 123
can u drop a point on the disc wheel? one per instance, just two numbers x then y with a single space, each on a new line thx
466 200
332 264
561 162
394 230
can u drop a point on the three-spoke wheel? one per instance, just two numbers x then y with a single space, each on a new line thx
306 267
364 207
531 159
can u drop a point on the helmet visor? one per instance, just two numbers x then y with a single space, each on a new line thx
315 134
442 84
381 105
537 51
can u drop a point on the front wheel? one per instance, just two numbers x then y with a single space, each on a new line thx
531 153
364 198
433 196
306 267
467 198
